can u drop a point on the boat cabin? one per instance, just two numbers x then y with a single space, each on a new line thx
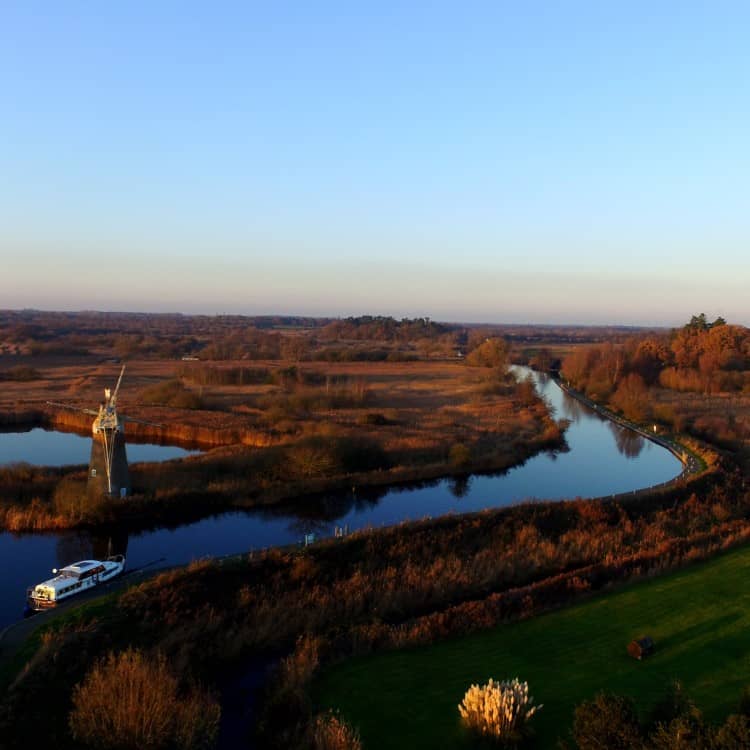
84 569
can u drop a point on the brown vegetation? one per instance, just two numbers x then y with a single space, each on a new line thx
130 700
283 431
324 423
695 379
612 722
401 586
331 732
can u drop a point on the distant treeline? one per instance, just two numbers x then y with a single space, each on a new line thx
700 356
294 338
695 378
383 328
43 325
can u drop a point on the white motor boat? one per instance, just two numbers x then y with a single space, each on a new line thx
74 579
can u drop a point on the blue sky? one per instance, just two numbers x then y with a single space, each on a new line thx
539 161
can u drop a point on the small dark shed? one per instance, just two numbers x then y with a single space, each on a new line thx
641 647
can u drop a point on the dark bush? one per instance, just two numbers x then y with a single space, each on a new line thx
734 734
373 418
171 393
687 732
20 374
608 721
673 705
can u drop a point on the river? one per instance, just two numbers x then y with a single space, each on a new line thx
601 459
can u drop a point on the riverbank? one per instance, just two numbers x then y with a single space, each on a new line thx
21 640
238 477
376 581
697 457
409 584
182 434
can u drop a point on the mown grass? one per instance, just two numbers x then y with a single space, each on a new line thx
699 618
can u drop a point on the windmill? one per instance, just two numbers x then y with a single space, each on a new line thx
108 465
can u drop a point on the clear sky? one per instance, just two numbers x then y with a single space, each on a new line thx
500 161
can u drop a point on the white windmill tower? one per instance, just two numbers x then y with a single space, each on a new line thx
108 465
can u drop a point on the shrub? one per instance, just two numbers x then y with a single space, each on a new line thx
734 734
459 456
128 700
21 374
170 393
687 732
491 353
313 458
499 710
525 392
331 732
673 705
607 721
372 418
71 500
632 398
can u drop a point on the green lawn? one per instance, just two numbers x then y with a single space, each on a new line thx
699 619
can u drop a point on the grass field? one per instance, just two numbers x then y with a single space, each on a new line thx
699 619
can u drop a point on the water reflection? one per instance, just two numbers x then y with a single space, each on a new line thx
302 527
459 486
600 459
574 410
86 545
73 546
628 442
41 447
328 507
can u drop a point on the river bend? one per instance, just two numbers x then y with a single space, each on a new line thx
602 458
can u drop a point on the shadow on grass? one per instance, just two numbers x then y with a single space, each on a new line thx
699 631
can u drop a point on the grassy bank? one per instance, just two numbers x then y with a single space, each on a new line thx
699 618
413 583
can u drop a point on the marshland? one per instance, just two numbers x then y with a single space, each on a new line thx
309 446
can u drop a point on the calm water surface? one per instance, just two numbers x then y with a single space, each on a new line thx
602 459
50 448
